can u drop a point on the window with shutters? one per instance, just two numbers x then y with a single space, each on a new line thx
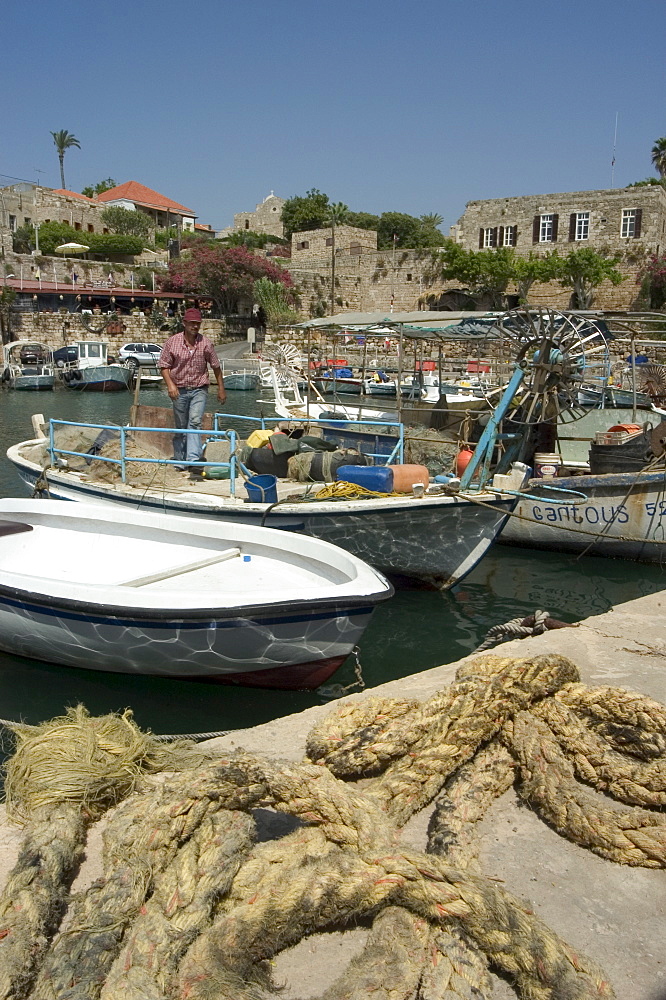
546 229
629 223
489 237
329 241
582 225
354 248
304 245
510 233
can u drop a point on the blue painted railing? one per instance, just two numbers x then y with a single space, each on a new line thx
231 466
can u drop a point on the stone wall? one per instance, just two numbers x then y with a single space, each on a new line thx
89 272
578 219
57 329
365 282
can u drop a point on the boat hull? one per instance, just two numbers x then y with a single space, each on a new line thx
35 383
277 649
624 517
240 381
101 378
436 540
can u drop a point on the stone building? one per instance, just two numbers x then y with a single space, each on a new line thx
30 204
266 218
366 278
162 211
631 221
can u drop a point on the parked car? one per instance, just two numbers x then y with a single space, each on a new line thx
65 356
139 354
32 354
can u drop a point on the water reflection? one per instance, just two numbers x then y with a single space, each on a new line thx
416 630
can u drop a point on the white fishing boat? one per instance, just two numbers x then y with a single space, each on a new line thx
435 538
624 481
147 593
92 372
25 365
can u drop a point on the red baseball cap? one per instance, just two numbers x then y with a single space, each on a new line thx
192 316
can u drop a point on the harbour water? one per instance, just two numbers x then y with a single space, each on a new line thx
415 630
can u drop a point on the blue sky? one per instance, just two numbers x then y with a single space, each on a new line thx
387 106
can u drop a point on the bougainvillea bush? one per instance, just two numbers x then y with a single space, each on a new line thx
226 275
652 279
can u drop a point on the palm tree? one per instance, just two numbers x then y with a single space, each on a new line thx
337 214
63 140
432 220
659 156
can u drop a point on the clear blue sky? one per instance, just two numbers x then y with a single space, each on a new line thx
385 105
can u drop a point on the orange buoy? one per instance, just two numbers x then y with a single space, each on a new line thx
463 459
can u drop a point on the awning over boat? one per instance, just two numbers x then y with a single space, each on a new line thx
421 324
417 324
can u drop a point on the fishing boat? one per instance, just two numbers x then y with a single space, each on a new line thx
241 381
341 381
92 372
612 396
620 470
150 593
435 538
25 366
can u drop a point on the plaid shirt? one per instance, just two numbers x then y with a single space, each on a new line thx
188 365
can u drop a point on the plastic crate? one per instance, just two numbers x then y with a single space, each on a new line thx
615 437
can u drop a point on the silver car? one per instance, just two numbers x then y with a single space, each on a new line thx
139 354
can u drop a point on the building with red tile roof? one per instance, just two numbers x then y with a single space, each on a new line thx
163 211
73 194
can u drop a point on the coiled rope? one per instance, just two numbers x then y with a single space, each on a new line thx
520 628
190 906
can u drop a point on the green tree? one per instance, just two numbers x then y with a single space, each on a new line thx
583 270
337 216
275 300
302 213
248 238
127 221
53 234
431 221
100 187
649 182
659 156
162 236
7 296
23 239
407 232
63 141
485 273
363 220
652 279
531 269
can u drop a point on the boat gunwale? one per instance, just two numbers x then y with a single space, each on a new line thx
328 607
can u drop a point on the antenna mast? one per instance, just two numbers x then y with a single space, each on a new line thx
613 160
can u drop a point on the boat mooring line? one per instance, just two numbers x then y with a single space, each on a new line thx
163 738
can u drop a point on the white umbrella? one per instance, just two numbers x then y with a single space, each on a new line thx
72 248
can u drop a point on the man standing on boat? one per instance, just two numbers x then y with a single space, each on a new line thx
184 365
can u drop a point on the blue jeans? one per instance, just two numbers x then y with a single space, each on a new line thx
188 411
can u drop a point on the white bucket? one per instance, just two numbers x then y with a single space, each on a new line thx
547 465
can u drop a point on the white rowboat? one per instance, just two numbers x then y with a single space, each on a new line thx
143 593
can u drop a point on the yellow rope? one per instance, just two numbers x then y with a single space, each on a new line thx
352 491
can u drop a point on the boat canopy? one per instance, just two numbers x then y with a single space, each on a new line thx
428 325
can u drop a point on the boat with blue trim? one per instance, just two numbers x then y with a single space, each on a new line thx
150 593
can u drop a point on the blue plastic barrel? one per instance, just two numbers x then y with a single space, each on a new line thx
373 477
261 489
